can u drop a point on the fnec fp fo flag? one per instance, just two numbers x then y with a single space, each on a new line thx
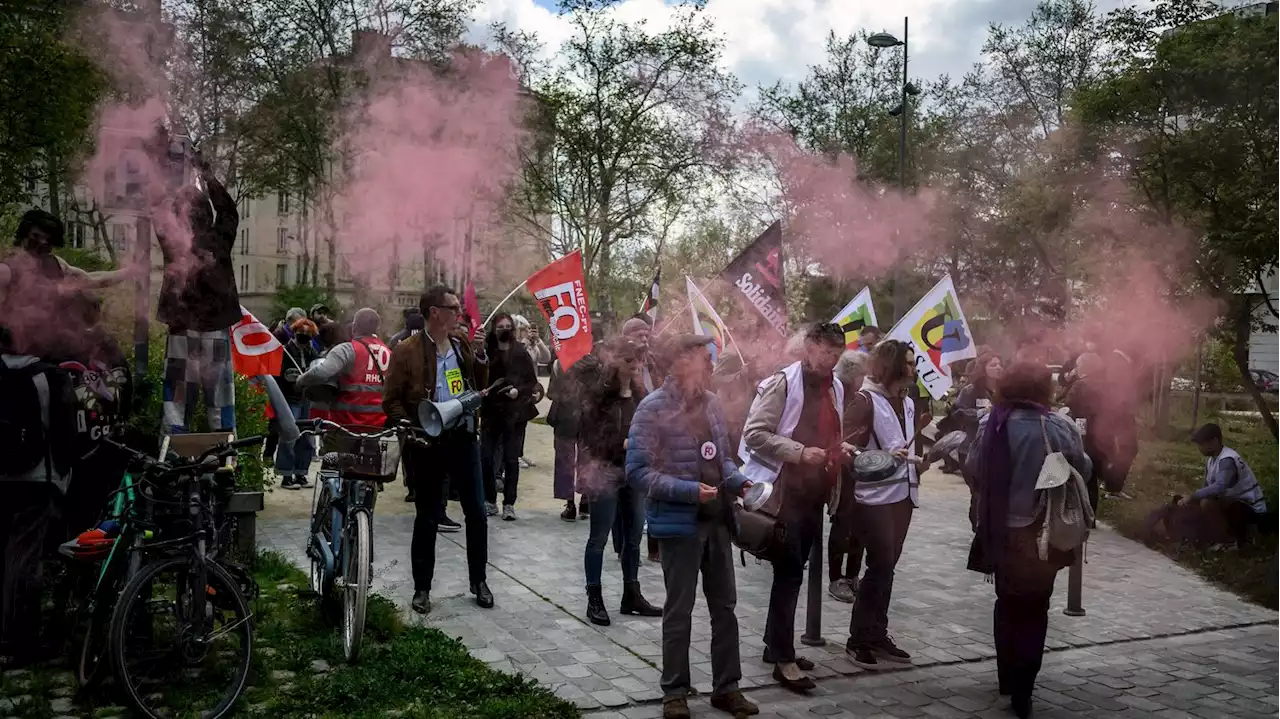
562 297
856 316
254 350
936 327
756 273
706 321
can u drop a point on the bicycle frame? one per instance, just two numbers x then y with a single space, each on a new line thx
348 497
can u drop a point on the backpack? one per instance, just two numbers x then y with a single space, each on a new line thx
1064 498
24 440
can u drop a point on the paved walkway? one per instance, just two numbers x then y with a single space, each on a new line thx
1156 639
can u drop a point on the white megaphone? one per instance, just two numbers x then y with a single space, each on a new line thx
436 417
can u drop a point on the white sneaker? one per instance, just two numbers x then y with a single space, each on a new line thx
490 509
526 463
508 513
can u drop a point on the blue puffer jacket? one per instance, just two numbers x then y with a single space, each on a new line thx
663 456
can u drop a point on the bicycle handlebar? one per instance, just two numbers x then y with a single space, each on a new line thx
220 451
320 426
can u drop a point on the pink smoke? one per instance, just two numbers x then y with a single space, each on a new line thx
430 154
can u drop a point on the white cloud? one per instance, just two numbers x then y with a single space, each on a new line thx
769 40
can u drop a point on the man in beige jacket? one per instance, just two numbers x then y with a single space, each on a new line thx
792 438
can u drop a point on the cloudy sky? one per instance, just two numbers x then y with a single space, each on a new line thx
769 40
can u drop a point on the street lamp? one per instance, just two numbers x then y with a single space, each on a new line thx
881 41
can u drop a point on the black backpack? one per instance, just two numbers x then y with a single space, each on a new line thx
24 440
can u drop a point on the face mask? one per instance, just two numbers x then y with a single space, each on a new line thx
504 335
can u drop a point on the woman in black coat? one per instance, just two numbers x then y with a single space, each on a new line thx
505 413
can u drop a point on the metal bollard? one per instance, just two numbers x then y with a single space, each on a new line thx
1075 582
813 613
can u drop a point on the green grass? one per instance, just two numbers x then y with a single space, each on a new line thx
1166 467
409 672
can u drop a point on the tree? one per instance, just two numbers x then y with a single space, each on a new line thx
632 122
48 93
1012 182
1190 115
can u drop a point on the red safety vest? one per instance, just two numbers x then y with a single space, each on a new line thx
359 402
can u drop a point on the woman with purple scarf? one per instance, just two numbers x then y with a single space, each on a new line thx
1001 470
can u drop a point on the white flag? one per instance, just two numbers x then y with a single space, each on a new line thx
937 328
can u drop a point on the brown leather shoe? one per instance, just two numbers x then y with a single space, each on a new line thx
735 703
675 708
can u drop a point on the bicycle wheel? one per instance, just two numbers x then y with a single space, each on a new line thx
355 580
172 665
321 582
91 643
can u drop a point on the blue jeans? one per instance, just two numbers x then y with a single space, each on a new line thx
629 509
294 458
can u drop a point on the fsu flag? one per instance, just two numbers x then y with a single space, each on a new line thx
650 306
856 316
254 350
757 275
562 297
938 330
471 309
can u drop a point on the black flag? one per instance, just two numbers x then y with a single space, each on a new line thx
756 273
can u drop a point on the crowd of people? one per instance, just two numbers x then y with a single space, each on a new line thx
651 438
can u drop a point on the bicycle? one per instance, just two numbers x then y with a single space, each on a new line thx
118 558
340 545
183 581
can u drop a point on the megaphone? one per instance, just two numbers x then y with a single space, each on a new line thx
436 417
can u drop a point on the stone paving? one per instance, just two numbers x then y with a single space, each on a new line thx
1140 604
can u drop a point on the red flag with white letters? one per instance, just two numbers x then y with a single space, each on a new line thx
561 293
254 350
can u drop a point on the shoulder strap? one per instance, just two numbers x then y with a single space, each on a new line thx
874 435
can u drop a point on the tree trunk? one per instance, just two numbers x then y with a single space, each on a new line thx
1240 349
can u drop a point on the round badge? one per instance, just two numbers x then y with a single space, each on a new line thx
708 450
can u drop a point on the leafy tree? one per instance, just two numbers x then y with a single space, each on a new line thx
304 296
1190 115
48 94
632 121
1013 193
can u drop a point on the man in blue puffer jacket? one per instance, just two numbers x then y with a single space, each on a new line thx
678 458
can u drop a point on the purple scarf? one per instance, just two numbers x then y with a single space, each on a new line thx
995 472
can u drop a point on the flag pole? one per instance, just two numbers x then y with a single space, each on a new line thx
667 326
503 302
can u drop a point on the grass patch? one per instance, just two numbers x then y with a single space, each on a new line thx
1167 467
298 670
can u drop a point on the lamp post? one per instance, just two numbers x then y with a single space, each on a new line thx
880 41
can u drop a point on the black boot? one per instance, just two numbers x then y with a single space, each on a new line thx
633 602
596 613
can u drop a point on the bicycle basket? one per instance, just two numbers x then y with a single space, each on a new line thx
376 460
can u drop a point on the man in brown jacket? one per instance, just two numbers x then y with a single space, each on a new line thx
436 366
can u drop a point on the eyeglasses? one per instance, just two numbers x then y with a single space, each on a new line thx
451 308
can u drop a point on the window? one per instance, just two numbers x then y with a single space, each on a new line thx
244 241
244 207
299 271
282 276
77 235
117 238
282 240
244 278
282 203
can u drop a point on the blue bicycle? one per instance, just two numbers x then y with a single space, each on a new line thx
340 541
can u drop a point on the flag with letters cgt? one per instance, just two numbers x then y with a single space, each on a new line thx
562 296
756 273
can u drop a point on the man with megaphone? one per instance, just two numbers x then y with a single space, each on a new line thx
451 374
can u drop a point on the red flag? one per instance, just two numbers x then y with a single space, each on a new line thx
561 296
254 350
471 308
